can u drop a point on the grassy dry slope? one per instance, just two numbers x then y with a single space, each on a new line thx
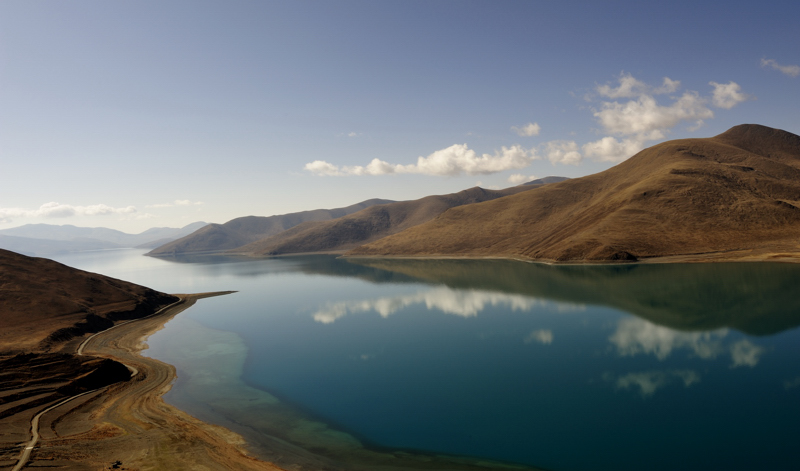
241 231
373 223
739 190
44 303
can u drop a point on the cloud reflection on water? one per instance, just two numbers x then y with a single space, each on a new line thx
543 336
745 353
649 382
634 336
637 336
464 303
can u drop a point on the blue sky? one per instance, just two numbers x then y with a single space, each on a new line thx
160 113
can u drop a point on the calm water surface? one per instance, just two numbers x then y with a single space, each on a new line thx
691 367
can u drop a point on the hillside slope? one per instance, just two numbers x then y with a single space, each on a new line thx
369 224
44 303
736 191
241 231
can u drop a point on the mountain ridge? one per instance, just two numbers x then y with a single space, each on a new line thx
739 190
244 230
369 224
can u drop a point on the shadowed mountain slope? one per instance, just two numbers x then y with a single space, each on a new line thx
736 191
242 231
369 224
44 303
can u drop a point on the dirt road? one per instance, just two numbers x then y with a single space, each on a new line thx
128 422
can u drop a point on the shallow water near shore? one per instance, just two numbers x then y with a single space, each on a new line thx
623 367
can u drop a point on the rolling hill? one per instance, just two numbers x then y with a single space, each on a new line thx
373 223
44 303
727 196
242 231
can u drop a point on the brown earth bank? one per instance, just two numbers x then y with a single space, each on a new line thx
734 196
44 304
47 311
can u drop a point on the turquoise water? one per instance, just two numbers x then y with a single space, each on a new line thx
628 367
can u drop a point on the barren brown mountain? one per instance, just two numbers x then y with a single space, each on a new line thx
44 303
339 235
241 231
728 196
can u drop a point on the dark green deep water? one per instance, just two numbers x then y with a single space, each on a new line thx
339 364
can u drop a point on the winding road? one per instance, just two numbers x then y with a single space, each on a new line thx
26 452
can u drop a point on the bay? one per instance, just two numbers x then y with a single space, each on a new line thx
358 364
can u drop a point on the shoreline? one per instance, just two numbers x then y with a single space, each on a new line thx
783 254
128 422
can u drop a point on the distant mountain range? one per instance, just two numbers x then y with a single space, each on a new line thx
49 239
245 230
373 223
328 231
732 196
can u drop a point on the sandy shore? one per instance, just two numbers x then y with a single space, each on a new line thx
128 422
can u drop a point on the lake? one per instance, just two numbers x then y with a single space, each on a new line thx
448 364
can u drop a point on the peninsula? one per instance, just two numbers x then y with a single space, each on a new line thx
75 392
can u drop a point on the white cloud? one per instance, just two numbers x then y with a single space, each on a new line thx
646 119
790 70
58 210
630 87
320 167
530 129
563 152
543 336
744 353
649 382
352 134
455 160
667 86
464 303
610 149
632 123
519 178
634 336
629 114
727 95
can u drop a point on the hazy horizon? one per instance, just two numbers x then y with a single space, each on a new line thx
131 115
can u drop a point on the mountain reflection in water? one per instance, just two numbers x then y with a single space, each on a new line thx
755 298
362 362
